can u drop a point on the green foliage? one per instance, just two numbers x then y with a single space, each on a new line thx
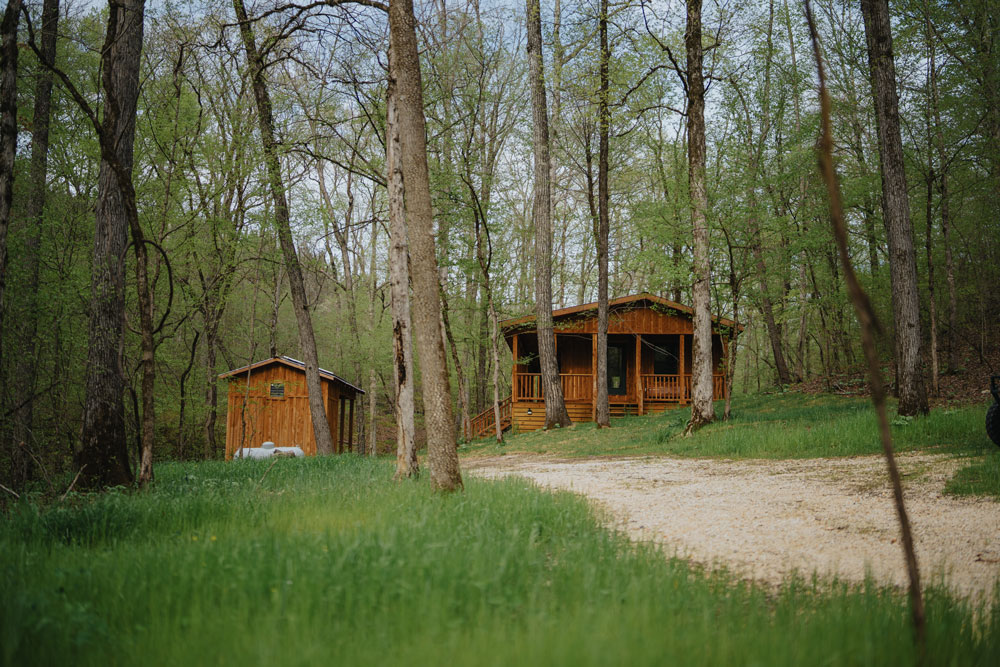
327 561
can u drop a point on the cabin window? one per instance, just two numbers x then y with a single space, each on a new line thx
277 390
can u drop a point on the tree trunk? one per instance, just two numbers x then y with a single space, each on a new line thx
183 395
8 148
372 375
896 209
307 338
485 260
702 408
25 373
555 405
442 449
102 452
949 267
399 290
603 411
211 385
931 305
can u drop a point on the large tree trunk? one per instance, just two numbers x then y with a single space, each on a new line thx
399 291
896 210
442 448
8 148
102 452
702 408
307 338
603 412
25 373
555 405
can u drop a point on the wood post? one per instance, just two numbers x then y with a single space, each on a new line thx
638 372
513 373
340 424
350 427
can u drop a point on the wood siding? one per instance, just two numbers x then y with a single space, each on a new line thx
640 331
255 417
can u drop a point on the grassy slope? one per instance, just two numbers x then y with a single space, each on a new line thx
327 561
782 426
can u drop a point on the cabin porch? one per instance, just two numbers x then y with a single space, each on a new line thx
646 373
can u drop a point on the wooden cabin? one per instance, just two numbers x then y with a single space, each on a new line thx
269 401
649 359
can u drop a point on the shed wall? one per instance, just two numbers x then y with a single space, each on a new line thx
254 417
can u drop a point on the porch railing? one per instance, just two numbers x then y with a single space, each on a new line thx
484 423
677 388
580 387
575 386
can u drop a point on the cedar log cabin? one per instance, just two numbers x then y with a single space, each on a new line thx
276 399
649 361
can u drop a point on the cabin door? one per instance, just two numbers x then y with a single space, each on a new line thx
617 370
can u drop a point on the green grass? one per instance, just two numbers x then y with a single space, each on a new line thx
329 562
781 426
982 478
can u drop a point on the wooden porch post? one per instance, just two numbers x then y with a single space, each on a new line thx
682 370
723 363
350 427
340 425
638 371
593 375
513 373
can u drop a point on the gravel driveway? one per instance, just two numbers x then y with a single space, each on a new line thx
765 519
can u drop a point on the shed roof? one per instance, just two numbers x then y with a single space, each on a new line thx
620 302
291 363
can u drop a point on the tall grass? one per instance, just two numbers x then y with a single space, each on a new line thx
328 562
771 427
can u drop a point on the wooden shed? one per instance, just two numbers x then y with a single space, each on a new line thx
649 361
268 401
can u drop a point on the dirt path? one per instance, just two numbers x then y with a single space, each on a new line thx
766 519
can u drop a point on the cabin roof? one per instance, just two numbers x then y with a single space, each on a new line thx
291 363
619 303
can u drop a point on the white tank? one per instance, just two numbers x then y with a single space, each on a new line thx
267 450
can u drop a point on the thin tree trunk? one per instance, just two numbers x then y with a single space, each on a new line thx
25 373
949 267
347 295
183 395
442 448
211 386
307 338
702 408
485 260
8 148
399 291
555 406
931 305
372 375
896 209
866 318
603 411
